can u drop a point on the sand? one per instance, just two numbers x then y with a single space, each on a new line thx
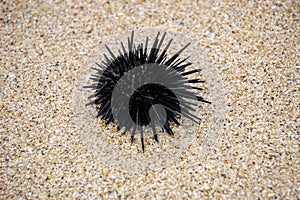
252 47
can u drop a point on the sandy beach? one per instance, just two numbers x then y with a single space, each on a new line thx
252 47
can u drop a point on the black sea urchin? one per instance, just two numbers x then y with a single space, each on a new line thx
142 87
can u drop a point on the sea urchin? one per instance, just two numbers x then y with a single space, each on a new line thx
143 87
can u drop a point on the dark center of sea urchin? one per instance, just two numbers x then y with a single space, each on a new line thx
142 88
151 94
